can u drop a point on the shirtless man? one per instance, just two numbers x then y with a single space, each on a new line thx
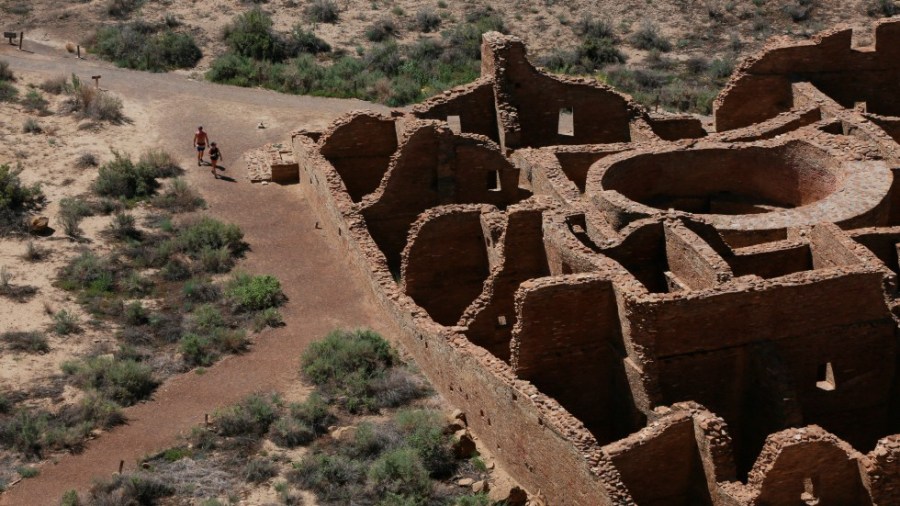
200 141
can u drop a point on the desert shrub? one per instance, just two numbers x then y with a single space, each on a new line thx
178 197
198 290
881 8
466 37
424 432
122 8
250 417
216 260
382 29
648 37
207 317
86 160
29 342
8 92
305 41
23 431
136 314
15 196
34 101
129 489
331 477
427 20
270 317
6 73
70 498
398 387
92 410
721 68
122 227
55 85
254 293
122 178
87 271
71 211
175 270
259 470
372 440
473 500
322 11
160 163
589 27
123 381
204 348
208 233
250 34
590 55
346 364
88 102
33 252
32 126
400 472
303 423
65 323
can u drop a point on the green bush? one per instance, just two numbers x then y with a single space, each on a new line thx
270 317
303 423
198 290
8 92
87 271
70 498
32 126
122 178
648 37
251 417
71 211
55 85
23 431
204 348
254 293
382 29
160 163
123 381
427 20
881 8
260 470
30 342
34 101
16 196
331 477
122 227
130 489
65 323
216 260
400 472
178 198
250 34
322 11
122 8
207 317
347 365
424 432
305 41
207 233
6 73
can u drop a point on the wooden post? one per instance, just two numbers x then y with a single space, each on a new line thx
78 51
206 420
96 81
121 466
21 37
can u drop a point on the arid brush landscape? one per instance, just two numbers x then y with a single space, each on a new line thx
311 322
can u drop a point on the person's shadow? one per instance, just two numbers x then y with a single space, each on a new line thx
224 177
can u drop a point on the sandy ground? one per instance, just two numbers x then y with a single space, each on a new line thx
279 225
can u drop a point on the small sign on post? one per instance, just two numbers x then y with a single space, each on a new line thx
96 81
10 36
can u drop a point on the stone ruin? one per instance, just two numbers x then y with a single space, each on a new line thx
632 308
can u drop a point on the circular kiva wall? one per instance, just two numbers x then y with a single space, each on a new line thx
750 190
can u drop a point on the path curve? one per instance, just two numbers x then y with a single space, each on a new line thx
278 224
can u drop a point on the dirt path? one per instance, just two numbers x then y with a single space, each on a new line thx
278 224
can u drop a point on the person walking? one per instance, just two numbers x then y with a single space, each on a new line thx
200 141
214 156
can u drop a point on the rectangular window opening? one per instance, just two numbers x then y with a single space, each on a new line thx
809 492
455 124
493 180
566 125
501 321
825 377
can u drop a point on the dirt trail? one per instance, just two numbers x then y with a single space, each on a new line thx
279 225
